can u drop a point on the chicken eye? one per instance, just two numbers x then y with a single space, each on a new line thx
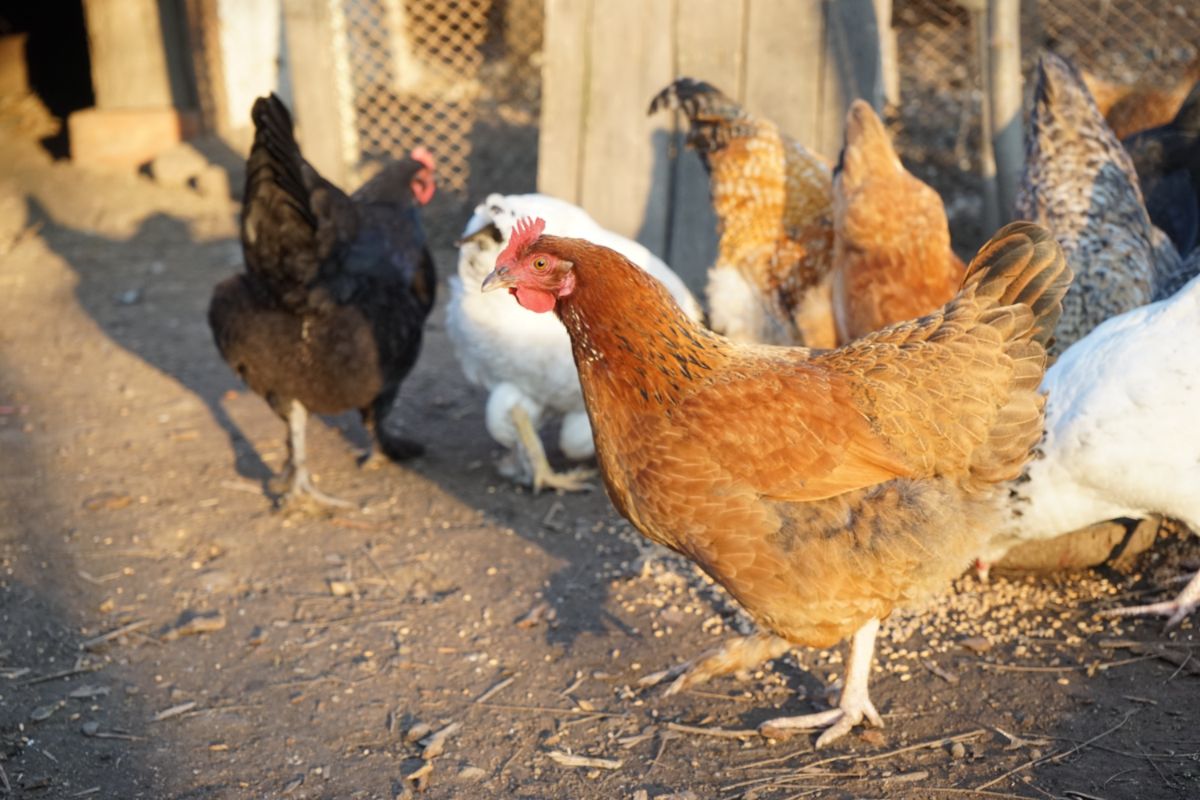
539 263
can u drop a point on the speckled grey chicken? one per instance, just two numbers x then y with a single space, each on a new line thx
1079 182
329 314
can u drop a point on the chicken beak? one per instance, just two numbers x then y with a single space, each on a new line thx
499 278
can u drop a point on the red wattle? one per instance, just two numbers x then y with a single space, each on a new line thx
535 299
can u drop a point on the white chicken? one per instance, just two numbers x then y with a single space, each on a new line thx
1121 436
524 359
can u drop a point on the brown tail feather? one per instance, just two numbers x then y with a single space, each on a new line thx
1023 265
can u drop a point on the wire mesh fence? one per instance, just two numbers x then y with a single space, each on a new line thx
937 121
459 76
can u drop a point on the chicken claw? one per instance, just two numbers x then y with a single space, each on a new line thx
301 486
734 655
544 476
571 480
295 475
1175 610
853 706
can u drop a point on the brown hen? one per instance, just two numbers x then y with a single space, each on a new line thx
1130 108
821 490
891 251
770 282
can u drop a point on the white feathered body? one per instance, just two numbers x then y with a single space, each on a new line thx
1122 427
519 356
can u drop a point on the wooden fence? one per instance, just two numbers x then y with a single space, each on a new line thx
800 63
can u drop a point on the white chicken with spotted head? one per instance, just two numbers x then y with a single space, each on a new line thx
1122 440
524 359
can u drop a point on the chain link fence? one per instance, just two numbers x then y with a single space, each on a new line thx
461 77
937 121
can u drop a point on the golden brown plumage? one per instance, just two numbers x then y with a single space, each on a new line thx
892 251
1130 108
770 282
820 489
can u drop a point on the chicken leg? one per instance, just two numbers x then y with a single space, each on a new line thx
544 476
855 702
1175 610
733 655
381 443
295 473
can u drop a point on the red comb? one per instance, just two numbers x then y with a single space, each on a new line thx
524 233
421 154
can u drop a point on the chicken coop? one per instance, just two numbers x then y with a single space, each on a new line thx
514 95
517 95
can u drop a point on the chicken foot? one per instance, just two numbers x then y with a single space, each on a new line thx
295 473
381 445
855 702
544 476
734 655
1175 610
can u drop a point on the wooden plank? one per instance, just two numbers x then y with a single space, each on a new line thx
128 56
889 61
851 68
204 40
314 90
1005 95
564 91
626 170
987 158
783 64
709 46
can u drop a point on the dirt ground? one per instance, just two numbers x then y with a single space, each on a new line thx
165 634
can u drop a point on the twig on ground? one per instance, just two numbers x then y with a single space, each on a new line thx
173 711
80 668
391 586
552 710
1060 756
1154 650
808 771
117 633
568 760
1179 669
970 792
435 743
720 733
496 689
663 738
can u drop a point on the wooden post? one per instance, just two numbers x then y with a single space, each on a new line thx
204 41
309 38
852 66
1004 97
565 73
408 69
708 46
798 64
128 54
992 215
889 63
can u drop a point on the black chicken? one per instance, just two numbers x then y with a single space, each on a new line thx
1167 159
329 313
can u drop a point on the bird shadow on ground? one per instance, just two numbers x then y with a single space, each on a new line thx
460 457
149 294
